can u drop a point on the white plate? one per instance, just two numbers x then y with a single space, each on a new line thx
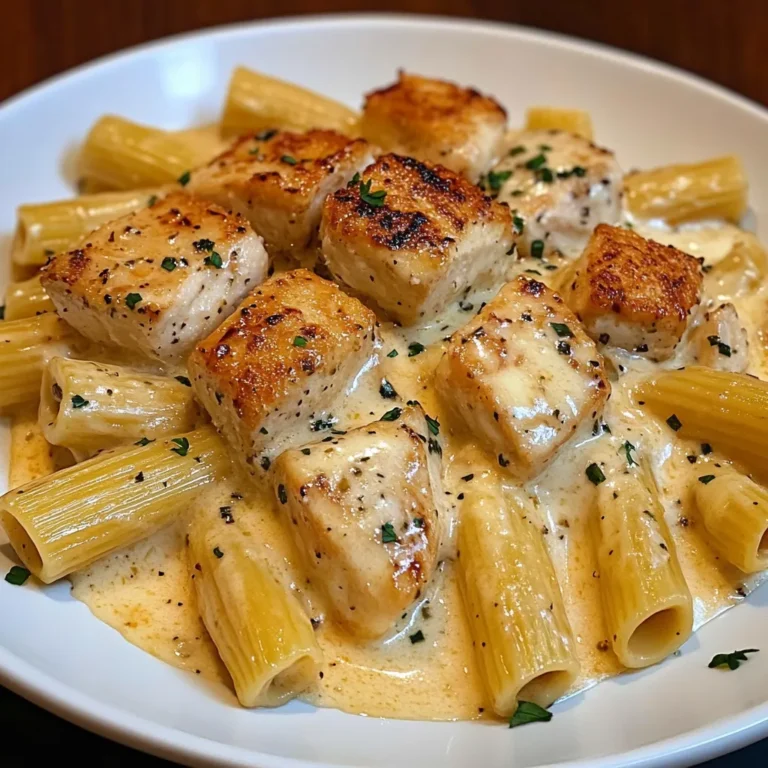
55 653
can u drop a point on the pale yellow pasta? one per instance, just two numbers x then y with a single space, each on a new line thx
728 410
263 636
734 510
119 154
31 455
47 228
647 604
257 102
26 346
576 121
714 189
67 520
87 406
522 638
27 298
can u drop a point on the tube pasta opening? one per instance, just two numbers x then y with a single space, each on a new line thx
657 636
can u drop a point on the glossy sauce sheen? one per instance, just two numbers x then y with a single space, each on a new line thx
145 592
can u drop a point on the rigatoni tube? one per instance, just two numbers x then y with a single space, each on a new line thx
87 406
575 121
647 604
65 521
263 636
521 634
26 346
734 510
43 229
256 102
27 298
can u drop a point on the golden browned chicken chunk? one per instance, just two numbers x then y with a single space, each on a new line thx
436 121
412 237
365 510
158 280
523 375
634 293
270 375
278 181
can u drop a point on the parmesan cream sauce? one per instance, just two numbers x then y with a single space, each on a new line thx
145 591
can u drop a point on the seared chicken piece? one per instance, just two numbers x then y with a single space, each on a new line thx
365 511
559 187
523 375
634 293
158 280
720 341
436 121
278 181
270 374
413 237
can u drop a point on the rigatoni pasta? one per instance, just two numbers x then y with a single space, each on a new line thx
261 632
27 298
87 406
66 521
576 121
522 637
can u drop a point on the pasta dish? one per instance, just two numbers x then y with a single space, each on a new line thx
405 411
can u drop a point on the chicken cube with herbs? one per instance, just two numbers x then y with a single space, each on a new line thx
436 121
559 187
365 511
412 237
271 374
522 376
156 281
278 181
634 293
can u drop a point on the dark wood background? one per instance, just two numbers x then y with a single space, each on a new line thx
723 41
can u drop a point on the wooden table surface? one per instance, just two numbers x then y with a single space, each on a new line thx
722 41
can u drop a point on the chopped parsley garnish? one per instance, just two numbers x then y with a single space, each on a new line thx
386 390
392 415
519 223
388 534
518 150
562 330
282 494
595 474
731 660
706 479
226 515
152 200
265 462
416 637
214 260
433 424
263 431
706 448
132 299
299 341
415 348
393 353
536 162
182 446
289 159
354 181
218 552
203 245
418 522
563 347
265 135
434 447
78 401
545 175
306 451
495 179
376 199
503 461
528 712
674 422
468 477
537 249
17 575
723 348
321 424
628 448
168 263
184 178
183 380
144 441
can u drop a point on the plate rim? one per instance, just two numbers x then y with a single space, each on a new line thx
706 742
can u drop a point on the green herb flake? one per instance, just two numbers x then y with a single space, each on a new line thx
496 179
562 330
418 522
388 534
299 341
674 422
393 353
354 181
415 348
183 380
282 495
289 159
218 552
203 245
392 415
628 448
144 441
433 425
132 299
416 637
706 448
214 260
78 401
537 249
518 150
168 263
152 200
706 479
595 474
17 575
182 446
731 660
386 390
375 199
306 451
184 178
536 162
545 175
266 135
528 712
519 223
